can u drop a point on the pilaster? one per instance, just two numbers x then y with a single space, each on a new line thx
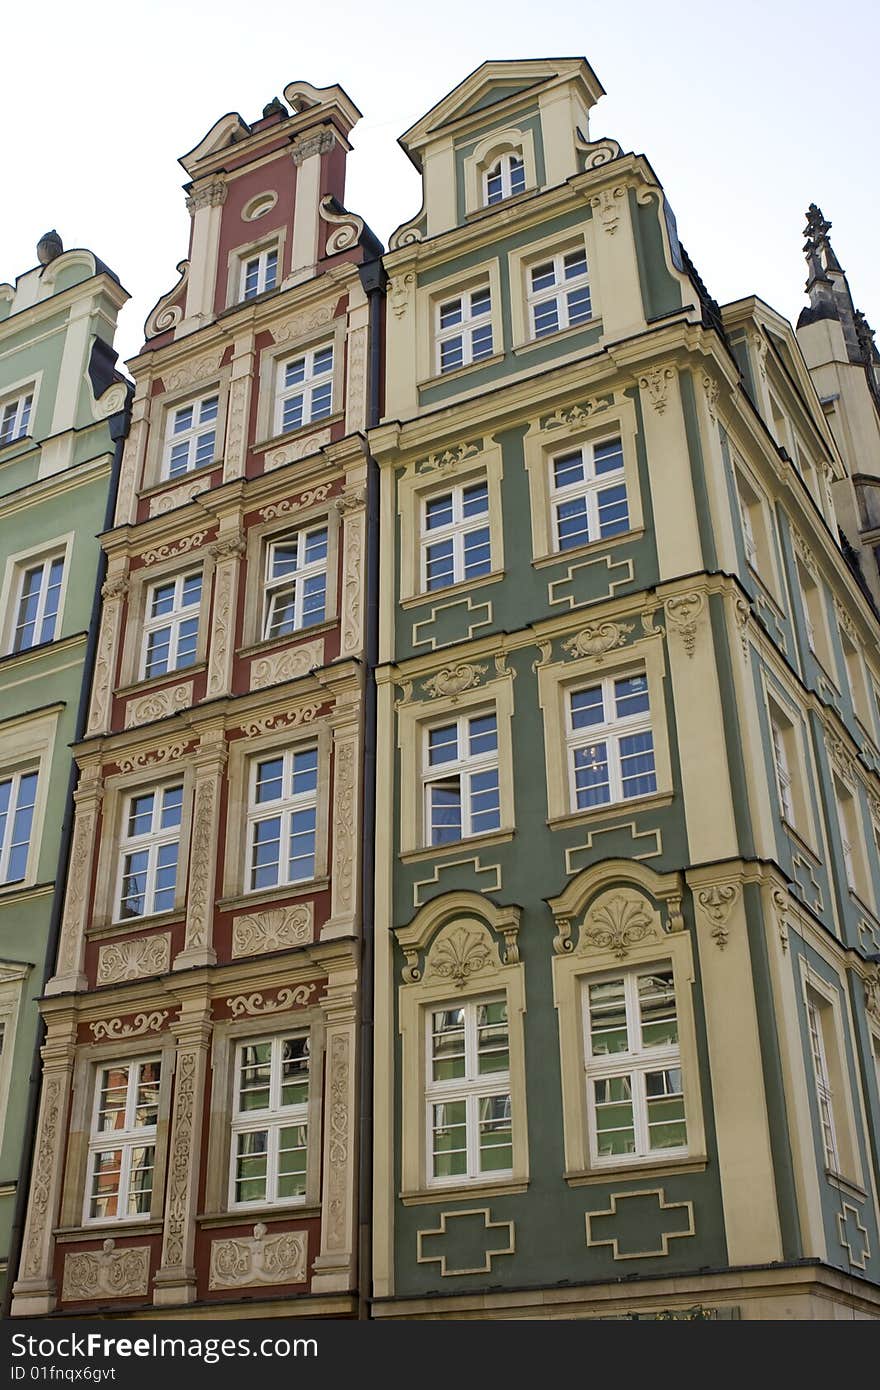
226 551
209 762
69 973
113 592
335 1266
307 153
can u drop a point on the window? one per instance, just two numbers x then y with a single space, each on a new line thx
467 1091
635 1095
812 606
190 436
611 742
305 388
855 674
455 535
37 602
171 629
822 1083
559 293
462 795
259 273
270 1121
15 418
505 179
282 818
781 770
149 852
464 329
848 822
18 795
588 494
296 582
122 1146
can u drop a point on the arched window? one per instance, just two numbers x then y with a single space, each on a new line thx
505 178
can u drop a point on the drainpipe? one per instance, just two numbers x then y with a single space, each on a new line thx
373 279
118 425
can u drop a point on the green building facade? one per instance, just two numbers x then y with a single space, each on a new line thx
63 407
628 882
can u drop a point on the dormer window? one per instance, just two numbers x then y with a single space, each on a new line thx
259 273
505 178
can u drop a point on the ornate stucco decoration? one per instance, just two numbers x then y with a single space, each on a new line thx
297 449
683 611
252 1005
656 383
460 952
135 1028
166 313
228 547
872 993
159 704
844 763
350 501
208 195
277 929
299 324
453 681
617 921
116 587
166 502
742 612
339 1140
576 414
598 152
400 292
597 638
349 227
345 777
712 390
464 945
173 548
112 401
447 460
716 904
284 719
107 1272
154 757
55 1089
804 552
759 346
615 906
309 145
780 908
292 504
846 623
605 207
195 370
286 665
134 959
262 1259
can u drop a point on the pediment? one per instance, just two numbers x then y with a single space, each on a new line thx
227 131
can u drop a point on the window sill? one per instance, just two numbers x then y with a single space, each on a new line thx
611 808
277 441
464 586
768 592
515 200
97 1230
267 1215
419 856
23 888
532 344
58 644
268 645
846 1185
437 380
577 552
24 442
200 474
132 925
125 692
638 1171
800 838
458 1192
265 897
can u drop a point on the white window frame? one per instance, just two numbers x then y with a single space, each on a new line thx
558 292
18 410
283 807
609 732
637 1061
22 570
261 257
588 489
151 842
296 579
822 1084
312 381
273 1119
192 437
456 531
782 771
173 620
464 328
127 1139
471 1088
463 768
14 776
503 168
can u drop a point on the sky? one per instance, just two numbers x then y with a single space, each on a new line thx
747 111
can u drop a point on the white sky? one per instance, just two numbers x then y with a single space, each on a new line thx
747 110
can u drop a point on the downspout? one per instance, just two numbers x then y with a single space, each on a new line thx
373 279
118 425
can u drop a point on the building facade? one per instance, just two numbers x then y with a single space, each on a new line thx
628 887
196 1146
62 417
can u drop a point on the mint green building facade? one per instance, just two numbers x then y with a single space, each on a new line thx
63 407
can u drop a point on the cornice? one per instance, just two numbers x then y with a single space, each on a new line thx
43 490
92 288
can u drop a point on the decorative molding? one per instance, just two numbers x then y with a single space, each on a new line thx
209 195
115 588
452 681
166 314
306 322
85 827
458 952
351 587
716 904
859 1256
843 761
780 909
277 929
356 380
286 665
872 992
597 638
299 448
292 504
111 401
134 959
165 502
742 613
400 290
664 1237
683 612
350 501
196 370
253 1005
605 206
345 779
712 391
575 415
154 756
546 655
349 227
226 551
804 552
615 922
200 898
759 343
447 460
180 1159
597 152
236 426
284 719
159 704
107 1272
309 145
846 622
656 383
46 1159
488 1254
173 548
338 1145
228 547
263 1259
117 1028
